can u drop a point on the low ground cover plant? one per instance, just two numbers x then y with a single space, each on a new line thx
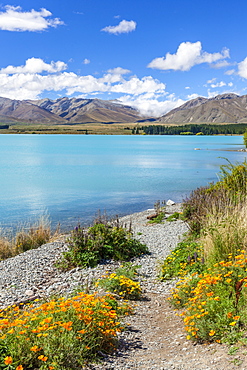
61 333
122 282
212 289
87 247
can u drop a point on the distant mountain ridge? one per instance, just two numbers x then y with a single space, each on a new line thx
225 108
65 110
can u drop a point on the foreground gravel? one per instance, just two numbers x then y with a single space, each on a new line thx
32 274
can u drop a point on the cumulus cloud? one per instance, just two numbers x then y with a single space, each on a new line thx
86 61
230 72
123 27
151 105
14 19
218 84
119 71
242 68
35 65
192 96
35 77
187 56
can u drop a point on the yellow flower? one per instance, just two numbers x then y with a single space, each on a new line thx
8 360
211 333
232 323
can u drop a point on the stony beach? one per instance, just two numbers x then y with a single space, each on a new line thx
154 337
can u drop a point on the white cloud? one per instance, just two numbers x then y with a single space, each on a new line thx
14 19
221 64
187 87
123 27
211 81
148 104
188 55
192 96
218 84
230 72
35 77
86 61
242 68
119 71
230 84
212 94
35 65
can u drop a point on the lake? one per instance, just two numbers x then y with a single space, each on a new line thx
71 177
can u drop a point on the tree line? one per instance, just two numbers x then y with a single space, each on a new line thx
192 129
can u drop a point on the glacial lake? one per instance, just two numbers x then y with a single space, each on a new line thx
71 177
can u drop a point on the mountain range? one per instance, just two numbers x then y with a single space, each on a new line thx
225 108
66 111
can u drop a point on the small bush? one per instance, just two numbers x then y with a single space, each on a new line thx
174 217
87 247
121 282
185 259
158 219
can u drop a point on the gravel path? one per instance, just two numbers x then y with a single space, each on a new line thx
154 338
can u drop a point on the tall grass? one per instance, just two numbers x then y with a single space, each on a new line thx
224 233
27 236
217 214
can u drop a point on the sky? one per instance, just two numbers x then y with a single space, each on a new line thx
152 55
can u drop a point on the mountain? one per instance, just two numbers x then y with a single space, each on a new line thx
76 110
65 110
225 108
22 110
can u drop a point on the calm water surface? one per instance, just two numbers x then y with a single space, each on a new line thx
73 176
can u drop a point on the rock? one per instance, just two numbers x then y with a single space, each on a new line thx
29 292
170 203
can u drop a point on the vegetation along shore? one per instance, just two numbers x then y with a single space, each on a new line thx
160 289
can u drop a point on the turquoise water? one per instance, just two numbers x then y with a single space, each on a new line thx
72 176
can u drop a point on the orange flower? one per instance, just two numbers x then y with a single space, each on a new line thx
8 360
43 358
229 315
236 317
19 367
35 348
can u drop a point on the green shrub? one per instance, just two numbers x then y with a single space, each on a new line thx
185 259
158 219
122 282
87 247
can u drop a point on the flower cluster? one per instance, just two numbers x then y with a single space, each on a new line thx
79 327
121 285
214 301
186 258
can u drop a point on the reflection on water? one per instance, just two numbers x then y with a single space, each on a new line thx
73 176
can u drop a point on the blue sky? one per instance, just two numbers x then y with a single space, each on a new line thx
152 55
